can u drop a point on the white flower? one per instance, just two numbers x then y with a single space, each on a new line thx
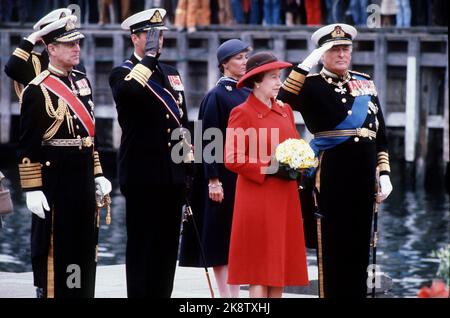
295 153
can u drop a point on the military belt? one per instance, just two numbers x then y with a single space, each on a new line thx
81 142
359 132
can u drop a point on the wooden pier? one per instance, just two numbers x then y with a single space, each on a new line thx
409 67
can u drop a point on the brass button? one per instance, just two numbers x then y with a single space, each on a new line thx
47 163
349 112
169 144
168 130
260 116
370 125
78 137
75 117
369 112
167 116
284 115
344 100
356 139
78 127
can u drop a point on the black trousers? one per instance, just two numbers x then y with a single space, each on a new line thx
69 228
153 219
347 182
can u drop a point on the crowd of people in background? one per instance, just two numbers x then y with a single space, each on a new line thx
191 15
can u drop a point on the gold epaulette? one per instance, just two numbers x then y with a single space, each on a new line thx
97 165
38 79
30 174
359 73
22 54
140 73
383 161
294 83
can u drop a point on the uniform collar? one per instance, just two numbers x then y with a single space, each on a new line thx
137 56
262 109
57 71
333 78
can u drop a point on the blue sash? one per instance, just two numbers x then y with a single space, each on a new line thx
355 120
162 94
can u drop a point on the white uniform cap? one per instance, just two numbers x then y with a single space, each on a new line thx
52 17
339 33
62 30
145 20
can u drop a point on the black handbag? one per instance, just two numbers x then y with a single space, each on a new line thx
6 206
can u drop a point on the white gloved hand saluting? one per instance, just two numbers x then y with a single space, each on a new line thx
314 58
102 187
37 202
385 188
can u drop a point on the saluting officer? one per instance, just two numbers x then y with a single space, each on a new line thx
60 169
24 63
150 102
341 108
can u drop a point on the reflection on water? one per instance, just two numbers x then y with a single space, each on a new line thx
411 225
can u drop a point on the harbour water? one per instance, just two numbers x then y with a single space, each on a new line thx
412 223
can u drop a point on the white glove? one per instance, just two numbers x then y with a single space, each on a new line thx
37 202
386 187
102 187
35 37
314 58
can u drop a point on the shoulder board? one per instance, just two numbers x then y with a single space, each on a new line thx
359 73
38 79
35 53
79 72
314 74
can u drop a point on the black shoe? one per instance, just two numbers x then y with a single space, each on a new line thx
40 292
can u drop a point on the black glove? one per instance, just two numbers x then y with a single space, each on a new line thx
152 45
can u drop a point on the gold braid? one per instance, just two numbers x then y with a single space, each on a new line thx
59 114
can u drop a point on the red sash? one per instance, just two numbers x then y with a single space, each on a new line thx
62 91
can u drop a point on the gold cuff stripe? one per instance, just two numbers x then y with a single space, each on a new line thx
24 55
294 87
32 183
294 81
290 90
98 170
384 167
140 73
296 76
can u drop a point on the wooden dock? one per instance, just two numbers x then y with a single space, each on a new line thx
409 67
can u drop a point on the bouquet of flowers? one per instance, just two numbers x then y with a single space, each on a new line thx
294 155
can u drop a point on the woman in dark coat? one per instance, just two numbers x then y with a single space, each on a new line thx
214 187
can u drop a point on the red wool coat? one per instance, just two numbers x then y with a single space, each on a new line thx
267 243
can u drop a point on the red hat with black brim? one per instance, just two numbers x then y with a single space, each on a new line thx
259 63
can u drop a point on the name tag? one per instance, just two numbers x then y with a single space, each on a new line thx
175 82
362 87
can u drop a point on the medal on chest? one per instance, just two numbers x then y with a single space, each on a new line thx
362 87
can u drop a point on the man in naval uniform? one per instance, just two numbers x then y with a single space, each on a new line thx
59 168
150 102
341 108
24 63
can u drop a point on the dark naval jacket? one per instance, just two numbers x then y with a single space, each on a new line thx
25 64
151 104
57 155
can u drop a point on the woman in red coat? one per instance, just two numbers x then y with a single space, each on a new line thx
267 248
